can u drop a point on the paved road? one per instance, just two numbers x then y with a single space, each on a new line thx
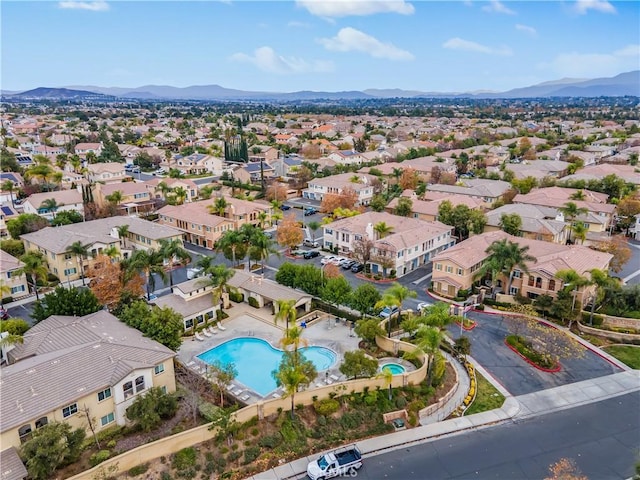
517 376
602 438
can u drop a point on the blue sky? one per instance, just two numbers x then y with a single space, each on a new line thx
316 44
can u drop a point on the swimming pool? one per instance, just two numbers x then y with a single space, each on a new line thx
255 359
394 368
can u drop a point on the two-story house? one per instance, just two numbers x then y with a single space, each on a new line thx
193 300
135 197
489 191
456 268
189 187
362 184
346 157
408 244
538 223
11 278
71 369
111 172
97 235
82 149
47 204
428 208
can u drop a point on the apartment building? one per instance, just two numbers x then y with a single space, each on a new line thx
111 172
70 369
15 282
409 243
361 184
538 223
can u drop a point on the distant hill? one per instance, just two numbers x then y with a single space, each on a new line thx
56 93
624 84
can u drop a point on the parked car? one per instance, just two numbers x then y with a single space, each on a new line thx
337 260
347 265
327 259
285 207
194 272
311 254
310 211
389 311
310 243
422 305
343 461
357 267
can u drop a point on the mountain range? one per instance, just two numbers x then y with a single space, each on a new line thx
624 84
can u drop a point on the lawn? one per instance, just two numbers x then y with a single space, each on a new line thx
627 354
487 397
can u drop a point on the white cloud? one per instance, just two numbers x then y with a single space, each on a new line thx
266 59
526 29
345 8
495 6
592 65
468 46
603 6
351 40
98 6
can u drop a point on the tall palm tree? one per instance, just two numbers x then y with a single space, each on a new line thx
34 268
571 211
262 219
9 186
231 241
293 337
163 188
56 177
490 267
294 371
573 282
173 250
579 231
218 207
81 252
76 163
5 290
111 251
437 315
49 205
43 172
149 262
428 341
602 280
504 257
382 229
115 198
180 195
285 310
394 296
261 248
123 232
218 277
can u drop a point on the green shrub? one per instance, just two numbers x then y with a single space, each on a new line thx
322 420
209 411
255 432
401 402
351 420
253 302
99 457
184 459
439 368
233 456
237 297
251 454
166 476
7 300
326 407
138 470
270 441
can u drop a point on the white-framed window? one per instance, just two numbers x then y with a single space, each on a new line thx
513 291
127 389
438 266
107 419
459 271
517 274
104 394
158 369
18 289
163 388
69 271
24 432
70 410
139 384
449 269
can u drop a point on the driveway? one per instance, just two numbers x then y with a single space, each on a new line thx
516 375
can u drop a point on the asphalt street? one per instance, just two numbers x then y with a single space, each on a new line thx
602 438
516 375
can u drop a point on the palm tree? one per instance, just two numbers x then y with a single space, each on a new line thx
9 186
394 296
382 229
76 163
572 281
262 219
490 267
428 341
230 241
285 310
115 198
34 268
81 252
218 277
293 337
261 248
570 210
49 205
437 315
56 177
5 290
163 188
294 371
602 280
180 194
123 232
314 226
218 207
39 171
149 262
10 340
111 251
171 250
504 257
579 231
578 195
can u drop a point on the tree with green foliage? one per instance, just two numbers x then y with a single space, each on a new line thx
34 268
368 329
394 296
404 208
9 186
172 250
378 203
25 223
164 325
66 217
62 301
525 185
285 310
221 375
572 282
233 245
364 298
336 291
544 303
14 326
12 247
149 410
504 256
293 372
511 223
358 364
463 219
51 447
150 263
218 277
261 247
81 252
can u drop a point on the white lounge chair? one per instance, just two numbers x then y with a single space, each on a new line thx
276 395
190 363
237 392
335 378
213 330
221 327
245 397
199 337
207 332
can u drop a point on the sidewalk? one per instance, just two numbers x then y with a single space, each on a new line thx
513 409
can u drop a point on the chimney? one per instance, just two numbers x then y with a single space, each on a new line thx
560 217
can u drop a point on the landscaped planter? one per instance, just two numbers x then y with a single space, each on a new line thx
467 327
554 369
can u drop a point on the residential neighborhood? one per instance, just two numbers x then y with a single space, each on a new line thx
176 277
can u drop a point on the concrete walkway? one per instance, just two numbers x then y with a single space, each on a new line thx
513 409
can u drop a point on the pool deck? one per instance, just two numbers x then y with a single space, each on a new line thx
246 321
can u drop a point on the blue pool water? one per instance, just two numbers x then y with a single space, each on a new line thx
394 368
255 359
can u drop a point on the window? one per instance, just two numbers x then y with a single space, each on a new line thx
530 283
107 419
538 282
449 269
139 384
164 389
513 291
552 285
127 388
70 271
438 266
70 410
459 271
188 324
104 394
18 289
67 256
158 369
24 432
517 274
41 422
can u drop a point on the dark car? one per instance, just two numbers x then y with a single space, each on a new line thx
311 254
357 267
285 207
310 211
